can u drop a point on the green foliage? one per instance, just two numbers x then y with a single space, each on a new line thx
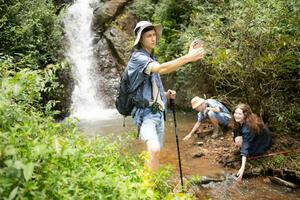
279 162
252 53
31 39
25 87
42 159
144 9
30 29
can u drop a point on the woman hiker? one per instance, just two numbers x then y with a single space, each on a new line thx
143 67
251 135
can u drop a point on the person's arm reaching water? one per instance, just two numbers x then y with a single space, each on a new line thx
196 126
242 169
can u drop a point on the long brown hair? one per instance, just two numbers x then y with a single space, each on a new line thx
254 122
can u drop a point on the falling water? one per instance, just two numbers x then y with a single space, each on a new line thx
86 102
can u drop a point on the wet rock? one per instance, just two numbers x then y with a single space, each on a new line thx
256 171
106 12
198 155
266 180
119 43
223 159
207 179
107 69
200 152
226 149
200 180
204 131
199 143
229 161
61 2
112 52
282 182
105 59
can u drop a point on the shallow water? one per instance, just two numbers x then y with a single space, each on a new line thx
254 188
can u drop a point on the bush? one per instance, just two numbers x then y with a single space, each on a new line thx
252 54
41 159
30 30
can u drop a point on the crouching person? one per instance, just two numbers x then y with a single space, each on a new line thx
212 109
251 135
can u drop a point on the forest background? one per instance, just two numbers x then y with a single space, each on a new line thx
252 57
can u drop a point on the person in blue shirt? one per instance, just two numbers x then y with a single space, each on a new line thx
251 135
212 109
144 68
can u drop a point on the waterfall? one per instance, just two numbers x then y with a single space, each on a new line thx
86 102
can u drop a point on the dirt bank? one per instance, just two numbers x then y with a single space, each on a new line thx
281 160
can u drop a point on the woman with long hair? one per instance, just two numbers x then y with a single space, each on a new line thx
251 135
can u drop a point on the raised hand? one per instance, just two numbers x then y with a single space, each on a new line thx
196 44
196 51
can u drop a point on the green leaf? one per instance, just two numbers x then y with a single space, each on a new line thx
18 164
10 151
8 163
40 149
28 170
13 193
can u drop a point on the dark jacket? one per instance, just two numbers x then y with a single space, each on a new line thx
253 144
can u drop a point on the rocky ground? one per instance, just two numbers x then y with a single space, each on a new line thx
281 161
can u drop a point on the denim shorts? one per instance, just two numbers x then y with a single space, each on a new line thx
222 117
153 127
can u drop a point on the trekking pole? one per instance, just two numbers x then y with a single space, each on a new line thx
172 107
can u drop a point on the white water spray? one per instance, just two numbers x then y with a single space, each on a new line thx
78 29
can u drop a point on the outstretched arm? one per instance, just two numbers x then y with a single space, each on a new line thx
193 55
196 126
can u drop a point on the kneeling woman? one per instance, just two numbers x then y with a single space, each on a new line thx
250 135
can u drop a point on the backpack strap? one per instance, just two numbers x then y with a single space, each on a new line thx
142 116
124 120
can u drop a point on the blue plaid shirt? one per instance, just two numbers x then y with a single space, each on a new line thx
213 104
137 64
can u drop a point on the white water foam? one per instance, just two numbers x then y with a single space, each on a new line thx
86 102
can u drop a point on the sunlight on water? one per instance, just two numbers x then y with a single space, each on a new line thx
95 115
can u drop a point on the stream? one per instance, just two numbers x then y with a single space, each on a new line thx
205 166
87 104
